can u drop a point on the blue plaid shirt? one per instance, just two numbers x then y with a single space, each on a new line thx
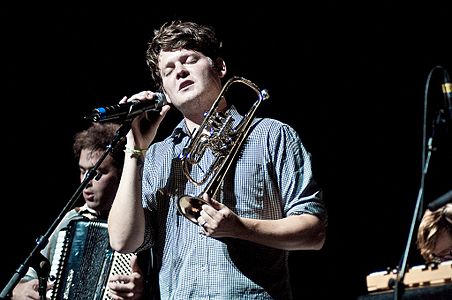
271 179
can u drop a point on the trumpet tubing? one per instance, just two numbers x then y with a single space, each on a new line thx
216 133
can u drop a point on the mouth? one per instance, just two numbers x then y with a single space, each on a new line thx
88 196
185 84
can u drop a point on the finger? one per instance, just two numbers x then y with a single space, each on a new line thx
121 295
206 198
164 110
141 96
150 95
215 204
205 215
202 221
119 278
123 100
119 286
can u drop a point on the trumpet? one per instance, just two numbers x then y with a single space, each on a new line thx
216 133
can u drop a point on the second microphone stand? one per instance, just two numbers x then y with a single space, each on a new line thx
398 284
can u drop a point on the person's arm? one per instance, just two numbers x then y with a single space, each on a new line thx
304 225
297 232
300 232
126 218
126 221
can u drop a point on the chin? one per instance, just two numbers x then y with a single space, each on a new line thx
92 205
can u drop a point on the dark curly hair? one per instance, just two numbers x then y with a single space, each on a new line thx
97 138
177 35
432 224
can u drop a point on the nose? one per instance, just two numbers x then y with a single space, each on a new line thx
89 174
89 184
181 71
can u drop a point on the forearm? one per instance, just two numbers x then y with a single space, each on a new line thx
126 218
301 232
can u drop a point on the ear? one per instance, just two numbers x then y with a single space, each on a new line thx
220 67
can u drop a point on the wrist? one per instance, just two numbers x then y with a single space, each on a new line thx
134 152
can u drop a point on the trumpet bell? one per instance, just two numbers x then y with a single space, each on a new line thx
190 207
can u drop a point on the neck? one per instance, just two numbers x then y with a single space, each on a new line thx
193 122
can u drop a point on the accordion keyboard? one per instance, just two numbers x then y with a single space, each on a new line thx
83 262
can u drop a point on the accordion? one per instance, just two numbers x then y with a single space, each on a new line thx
83 261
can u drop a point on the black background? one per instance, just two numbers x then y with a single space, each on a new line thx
350 78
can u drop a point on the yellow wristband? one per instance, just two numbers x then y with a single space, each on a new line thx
135 152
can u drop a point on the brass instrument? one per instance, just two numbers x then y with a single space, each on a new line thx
216 133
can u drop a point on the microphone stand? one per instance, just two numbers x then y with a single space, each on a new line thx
35 259
43 270
397 283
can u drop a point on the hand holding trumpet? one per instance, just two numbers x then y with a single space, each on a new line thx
217 220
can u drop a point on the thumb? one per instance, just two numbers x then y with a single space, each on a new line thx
134 264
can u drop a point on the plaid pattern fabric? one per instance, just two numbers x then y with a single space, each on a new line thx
270 179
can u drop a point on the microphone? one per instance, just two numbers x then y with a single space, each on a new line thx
127 110
447 91
441 201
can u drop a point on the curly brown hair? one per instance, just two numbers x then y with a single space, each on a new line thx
177 35
432 223
97 138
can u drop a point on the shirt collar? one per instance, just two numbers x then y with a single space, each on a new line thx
88 212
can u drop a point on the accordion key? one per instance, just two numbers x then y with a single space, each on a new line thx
83 262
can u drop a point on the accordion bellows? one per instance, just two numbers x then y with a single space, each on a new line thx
83 261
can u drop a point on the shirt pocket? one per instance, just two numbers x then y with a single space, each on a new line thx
246 180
